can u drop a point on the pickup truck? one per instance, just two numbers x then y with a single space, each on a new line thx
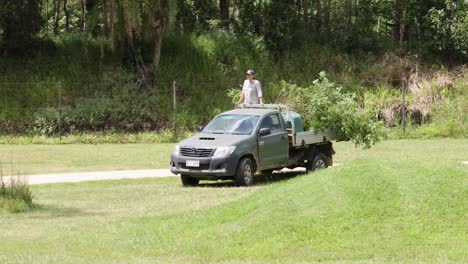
238 144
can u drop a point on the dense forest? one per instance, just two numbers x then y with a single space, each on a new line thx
109 65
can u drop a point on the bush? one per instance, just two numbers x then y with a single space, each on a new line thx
324 105
15 195
116 105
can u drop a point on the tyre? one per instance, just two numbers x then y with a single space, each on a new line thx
188 181
320 161
244 172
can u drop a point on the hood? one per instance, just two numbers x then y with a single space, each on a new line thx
213 140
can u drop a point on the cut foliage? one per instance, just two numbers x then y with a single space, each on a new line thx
325 105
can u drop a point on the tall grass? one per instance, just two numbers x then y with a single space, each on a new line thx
15 194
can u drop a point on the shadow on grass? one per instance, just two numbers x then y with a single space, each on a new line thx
261 179
40 211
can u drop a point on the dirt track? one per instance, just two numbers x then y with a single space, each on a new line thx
107 175
94 176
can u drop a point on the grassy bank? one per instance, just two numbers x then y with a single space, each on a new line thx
402 201
106 95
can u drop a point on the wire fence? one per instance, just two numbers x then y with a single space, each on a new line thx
56 108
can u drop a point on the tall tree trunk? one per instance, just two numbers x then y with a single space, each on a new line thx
128 25
159 18
402 29
56 16
349 12
112 13
305 7
398 15
379 24
47 17
105 19
327 16
67 16
318 16
82 15
105 27
91 9
224 13
235 9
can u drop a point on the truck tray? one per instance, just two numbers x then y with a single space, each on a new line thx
312 137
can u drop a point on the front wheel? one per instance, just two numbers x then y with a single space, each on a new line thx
244 172
188 181
320 161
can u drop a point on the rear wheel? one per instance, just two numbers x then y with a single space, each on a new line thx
244 172
188 181
320 161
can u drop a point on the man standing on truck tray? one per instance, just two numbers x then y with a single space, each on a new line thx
251 90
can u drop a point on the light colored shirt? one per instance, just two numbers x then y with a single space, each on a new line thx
252 91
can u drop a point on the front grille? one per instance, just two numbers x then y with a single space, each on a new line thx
202 166
196 152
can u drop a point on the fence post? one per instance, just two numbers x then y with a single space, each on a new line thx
60 109
174 107
403 108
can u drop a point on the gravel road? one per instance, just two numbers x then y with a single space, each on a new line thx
107 175
94 176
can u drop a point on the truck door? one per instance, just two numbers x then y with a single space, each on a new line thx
273 148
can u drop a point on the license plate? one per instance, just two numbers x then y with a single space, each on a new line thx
192 163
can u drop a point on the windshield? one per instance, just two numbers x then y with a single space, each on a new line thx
232 124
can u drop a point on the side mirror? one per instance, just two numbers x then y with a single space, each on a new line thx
200 128
264 131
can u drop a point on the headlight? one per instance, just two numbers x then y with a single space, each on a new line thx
176 148
224 151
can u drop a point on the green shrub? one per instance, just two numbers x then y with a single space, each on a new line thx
324 105
117 104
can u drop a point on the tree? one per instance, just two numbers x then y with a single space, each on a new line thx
280 26
204 11
56 16
20 20
67 15
247 22
82 15
224 13
450 26
158 16
185 19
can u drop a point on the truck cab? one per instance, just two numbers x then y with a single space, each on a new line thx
238 143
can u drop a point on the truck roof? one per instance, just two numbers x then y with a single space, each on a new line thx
251 111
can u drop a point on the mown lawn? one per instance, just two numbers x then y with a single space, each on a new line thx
403 201
36 159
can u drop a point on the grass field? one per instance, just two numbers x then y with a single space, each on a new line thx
403 201
34 159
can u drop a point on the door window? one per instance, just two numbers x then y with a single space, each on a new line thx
272 122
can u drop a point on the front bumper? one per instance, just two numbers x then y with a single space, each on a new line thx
210 167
